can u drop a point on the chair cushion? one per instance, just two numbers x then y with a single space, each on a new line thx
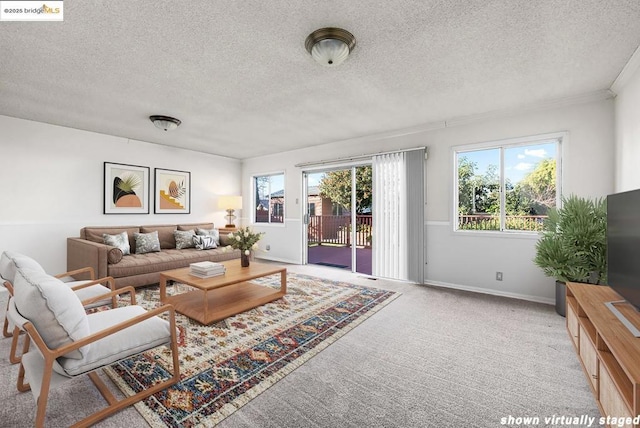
89 292
10 261
53 308
139 337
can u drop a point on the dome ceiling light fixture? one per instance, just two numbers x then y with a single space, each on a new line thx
166 123
330 46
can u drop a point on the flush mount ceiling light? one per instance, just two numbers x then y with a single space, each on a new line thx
330 46
165 123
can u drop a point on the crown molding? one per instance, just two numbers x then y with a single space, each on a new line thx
629 69
495 114
425 127
539 106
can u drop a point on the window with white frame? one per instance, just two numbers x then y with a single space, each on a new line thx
507 186
269 198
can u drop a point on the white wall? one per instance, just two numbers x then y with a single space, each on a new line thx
52 181
452 259
627 129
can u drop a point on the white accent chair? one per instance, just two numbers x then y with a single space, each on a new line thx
91 292
71 343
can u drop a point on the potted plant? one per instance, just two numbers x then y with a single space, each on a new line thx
573 245
245 240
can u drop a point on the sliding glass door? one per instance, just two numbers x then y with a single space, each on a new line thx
338 218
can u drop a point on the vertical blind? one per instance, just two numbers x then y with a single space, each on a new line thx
398 206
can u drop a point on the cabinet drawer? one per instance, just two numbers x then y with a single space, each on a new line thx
589 358
610 399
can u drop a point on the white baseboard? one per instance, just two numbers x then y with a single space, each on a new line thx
536 299
278 259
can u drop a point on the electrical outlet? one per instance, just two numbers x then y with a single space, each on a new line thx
498 276
268 247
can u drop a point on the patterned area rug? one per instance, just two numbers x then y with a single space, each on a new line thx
226 364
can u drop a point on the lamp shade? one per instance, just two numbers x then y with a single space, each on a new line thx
165 123
330 46
330 52
230 202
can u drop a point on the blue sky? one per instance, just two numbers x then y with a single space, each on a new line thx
519 160
314 179
277 183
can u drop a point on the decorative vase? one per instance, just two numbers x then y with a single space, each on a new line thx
244 260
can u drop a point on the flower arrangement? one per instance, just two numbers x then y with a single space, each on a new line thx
244 239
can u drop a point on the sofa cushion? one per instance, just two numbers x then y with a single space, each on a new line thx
140 264
147 242
121 240
114 255
184 239
224 239
195 226
94 233
52 307
165 234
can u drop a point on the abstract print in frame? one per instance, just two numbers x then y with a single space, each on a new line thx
172 191
126 189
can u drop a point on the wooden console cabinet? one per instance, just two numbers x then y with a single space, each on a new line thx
609 353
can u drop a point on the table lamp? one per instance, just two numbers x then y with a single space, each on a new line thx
230 204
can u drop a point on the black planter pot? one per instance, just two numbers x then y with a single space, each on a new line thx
561 298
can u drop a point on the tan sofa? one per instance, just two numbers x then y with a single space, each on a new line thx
139 269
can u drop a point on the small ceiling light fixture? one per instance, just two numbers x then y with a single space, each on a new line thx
165 123
330 46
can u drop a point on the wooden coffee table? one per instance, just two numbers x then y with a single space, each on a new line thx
219 297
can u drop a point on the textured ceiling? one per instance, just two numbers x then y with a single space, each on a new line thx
238 76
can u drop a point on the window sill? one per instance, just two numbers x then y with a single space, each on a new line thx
268 224
498 234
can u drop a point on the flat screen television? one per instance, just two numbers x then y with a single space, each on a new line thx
623 246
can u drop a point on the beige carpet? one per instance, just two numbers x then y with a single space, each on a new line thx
431 358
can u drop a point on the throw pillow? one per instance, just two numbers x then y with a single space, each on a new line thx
204 242
147 242
184 238
53 308
214 233
114 255
121 240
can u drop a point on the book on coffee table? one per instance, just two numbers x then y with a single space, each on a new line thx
206 269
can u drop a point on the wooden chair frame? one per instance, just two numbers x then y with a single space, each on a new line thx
14 358
115 405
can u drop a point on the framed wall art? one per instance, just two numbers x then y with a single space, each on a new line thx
126 189
172 191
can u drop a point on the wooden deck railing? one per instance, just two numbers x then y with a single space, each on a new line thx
336 229
490 222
